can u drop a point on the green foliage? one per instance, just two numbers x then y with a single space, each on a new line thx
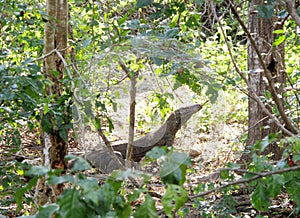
260 198
80 164
147 209
71 205
175 40
174 168
18 196
261 189
274 185
174 198
84 196
47 211
143 3
156 153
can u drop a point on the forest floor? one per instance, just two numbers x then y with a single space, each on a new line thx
210 137
213 137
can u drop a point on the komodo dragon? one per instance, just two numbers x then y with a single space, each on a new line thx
165 135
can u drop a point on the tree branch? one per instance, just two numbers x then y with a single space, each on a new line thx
241 181
291 8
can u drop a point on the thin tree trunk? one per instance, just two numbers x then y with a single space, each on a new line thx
132 89
55 37
262 31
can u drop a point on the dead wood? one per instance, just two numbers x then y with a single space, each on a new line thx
163 136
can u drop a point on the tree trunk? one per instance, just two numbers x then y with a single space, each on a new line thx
262 31
56 34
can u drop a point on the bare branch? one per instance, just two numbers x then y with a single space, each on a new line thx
110 149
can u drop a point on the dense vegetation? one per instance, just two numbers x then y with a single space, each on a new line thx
199 46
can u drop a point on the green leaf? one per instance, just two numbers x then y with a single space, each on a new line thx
136 193
171 33
46 108
174 198
146 209
282 14
122 19
293 188
278 31
86 184
63 133
175 177
18 196
199 2
110 124
86 42
53 179
156 60
173 170
37 171
97 123
47 211
233 165
260 198
143 3
71 205
122 208
265 11
156 153
174 21
261 145
55 73
224 174
213 92
121 175
46 123
80 164
279 40
275 185
106 196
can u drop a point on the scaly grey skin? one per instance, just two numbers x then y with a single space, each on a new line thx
164 136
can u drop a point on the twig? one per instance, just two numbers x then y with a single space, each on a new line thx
241 181
154 75
110 149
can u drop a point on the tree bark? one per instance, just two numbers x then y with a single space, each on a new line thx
55 37
262 31
132 104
